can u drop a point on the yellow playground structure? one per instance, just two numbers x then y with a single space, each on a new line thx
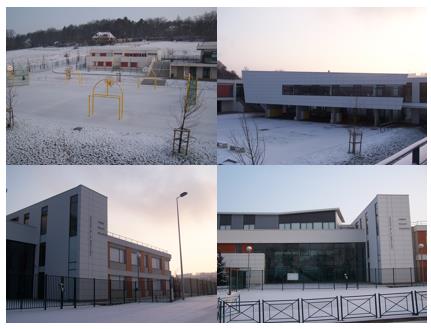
106 93
68 74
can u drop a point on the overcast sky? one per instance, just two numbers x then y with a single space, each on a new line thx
296 188
24 20
383 40
141 203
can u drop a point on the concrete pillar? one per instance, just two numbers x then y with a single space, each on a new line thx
376 117
300 113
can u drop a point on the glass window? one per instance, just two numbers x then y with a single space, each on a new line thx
325 225
73 215
145 261
44 220
134 258
224 227
116 255
248 226
331 225
116 282
155 262
303 226
423 92
15 219
166 265
157 285
42 254
309 226
27 218
317 226
295 226
225 222
408 92
284 226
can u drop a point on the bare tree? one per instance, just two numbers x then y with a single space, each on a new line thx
187 117
10 103
250 146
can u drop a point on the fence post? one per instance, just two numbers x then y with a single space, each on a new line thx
110 291
415 156
74 292
262 281
375 276
302 311
191 287
259 310
380 308
393 276
61 291
94 292
136 292
124 291
45 290
375 303
341 307
152 291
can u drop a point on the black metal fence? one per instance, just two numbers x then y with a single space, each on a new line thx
194 287
333 279
330 309
45 291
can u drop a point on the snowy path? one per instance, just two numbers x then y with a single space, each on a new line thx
302 142
195 309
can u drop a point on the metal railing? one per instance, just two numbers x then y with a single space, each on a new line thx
121 237
357 308
409 155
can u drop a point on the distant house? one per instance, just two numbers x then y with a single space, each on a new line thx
104 38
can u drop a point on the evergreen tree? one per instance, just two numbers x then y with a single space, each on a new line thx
221 276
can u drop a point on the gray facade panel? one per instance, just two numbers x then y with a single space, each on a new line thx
267 222
237 222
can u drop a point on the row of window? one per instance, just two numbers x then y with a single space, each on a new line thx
109 64
26 219
118 255
120 54
117 282
291 226
344 90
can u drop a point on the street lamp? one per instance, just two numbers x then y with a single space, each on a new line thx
138 259
179 240
420 247
249 249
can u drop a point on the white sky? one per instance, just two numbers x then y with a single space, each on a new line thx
383 40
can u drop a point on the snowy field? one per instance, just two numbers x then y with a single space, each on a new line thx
195 309
274 294
302 142
52 124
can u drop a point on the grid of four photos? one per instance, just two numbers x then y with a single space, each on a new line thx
256 165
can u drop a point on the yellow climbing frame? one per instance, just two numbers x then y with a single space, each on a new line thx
108 84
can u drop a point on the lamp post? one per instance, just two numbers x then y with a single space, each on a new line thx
420 247
179 241
138 258
249 249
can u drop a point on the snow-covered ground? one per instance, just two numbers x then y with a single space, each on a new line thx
304 142
195 309
52 124
277 294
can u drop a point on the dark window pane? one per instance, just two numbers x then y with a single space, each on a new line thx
423 92
73 215
225 219
249 219
42 253
27 218
44 220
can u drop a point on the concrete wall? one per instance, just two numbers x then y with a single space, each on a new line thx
92 228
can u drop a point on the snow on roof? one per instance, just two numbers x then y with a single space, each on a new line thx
104 35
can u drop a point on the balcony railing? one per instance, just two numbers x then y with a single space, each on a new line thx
118 236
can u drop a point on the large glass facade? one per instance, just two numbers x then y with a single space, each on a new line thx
314 262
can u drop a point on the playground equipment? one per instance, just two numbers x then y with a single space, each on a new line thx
17 76
68 73
108 84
